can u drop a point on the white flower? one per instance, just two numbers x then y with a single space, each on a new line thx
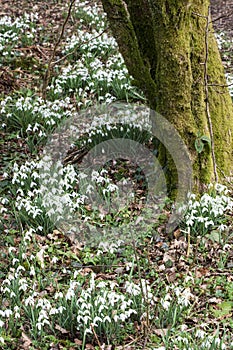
200 334
20 268
132 288
88 330
107 319
6 281
12 249
165 304
54 259
58 295
39 326
29 301
96 320
86 319
102 307
101 284
61 309
70 294
32 271
8 312
23 285
17 315
14 261
122 317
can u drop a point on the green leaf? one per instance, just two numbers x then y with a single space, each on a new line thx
215 236
224 309
206 139
199 145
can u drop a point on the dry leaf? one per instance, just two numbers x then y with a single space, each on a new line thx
201 272
26 341
177 233
161 332
167 257
215 300
162 267
171 277
78 342
60 329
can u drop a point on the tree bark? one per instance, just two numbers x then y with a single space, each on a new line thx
170 50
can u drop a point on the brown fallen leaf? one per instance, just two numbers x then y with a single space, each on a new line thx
60 329
78 342
177 233
26 341
201 272
215 300
171 277
106 347
161 332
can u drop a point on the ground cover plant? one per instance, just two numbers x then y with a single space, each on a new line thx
159 291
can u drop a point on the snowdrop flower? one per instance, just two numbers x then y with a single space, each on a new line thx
70 294
165 304
14 261
17 315
32 271
185 296
29 301
54 260
39 326
88 331
101 284
86 319
5 290
107 319
23 285
61 309
20 268
96 320
132 288
200 334
8 312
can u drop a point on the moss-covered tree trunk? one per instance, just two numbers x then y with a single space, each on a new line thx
170 50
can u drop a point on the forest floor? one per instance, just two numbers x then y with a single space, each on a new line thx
159 293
